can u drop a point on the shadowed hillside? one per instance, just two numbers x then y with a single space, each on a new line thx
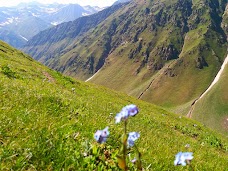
212 108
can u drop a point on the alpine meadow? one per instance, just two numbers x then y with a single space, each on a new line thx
139 85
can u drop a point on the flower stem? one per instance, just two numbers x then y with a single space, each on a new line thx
138 161
125 145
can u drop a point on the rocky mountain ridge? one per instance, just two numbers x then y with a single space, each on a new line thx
63 35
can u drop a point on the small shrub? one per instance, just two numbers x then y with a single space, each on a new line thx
8 72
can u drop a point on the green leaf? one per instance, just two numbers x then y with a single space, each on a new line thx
94 148
121 162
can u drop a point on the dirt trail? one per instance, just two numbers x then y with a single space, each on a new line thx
48 77
209 88
160 72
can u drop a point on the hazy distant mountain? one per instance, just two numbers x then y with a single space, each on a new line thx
52 41
68 13
12 37
28 19
28 26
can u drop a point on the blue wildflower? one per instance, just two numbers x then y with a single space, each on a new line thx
101 135
123 115
132 109
132 137
181 158
129 110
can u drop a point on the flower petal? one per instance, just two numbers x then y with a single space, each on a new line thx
101 135
132 137
182 157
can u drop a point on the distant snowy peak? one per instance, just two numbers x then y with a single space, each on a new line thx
51 13
9 21
55 23
27 19
66 13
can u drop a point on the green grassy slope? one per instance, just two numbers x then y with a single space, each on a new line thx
212 108
47 125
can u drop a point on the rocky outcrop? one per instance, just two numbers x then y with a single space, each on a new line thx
168 52
200 62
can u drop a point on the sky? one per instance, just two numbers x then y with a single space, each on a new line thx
100 3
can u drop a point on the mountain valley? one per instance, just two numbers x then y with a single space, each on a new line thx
163 52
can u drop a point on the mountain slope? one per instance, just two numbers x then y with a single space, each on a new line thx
168 52
52 42
212 108
45 124
175 64
10 36
66 13
29 26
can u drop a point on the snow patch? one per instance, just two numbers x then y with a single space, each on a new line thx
34 15
50 10
9 21
217 76
55 23
85 14
209 88
23 37
92 76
